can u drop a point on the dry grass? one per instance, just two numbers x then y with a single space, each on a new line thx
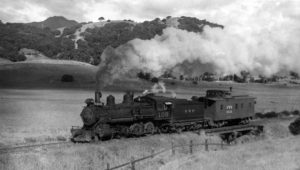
279 150
95 156
267 154
33 116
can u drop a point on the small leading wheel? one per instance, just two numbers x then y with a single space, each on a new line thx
149 128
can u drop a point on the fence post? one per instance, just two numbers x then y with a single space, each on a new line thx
132 163
107 166
173 149
206 145
152 153
191 147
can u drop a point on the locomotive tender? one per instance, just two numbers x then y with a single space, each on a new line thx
150 113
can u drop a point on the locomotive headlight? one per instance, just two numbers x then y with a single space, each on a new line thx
89 101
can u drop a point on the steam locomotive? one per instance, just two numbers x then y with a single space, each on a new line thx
151 113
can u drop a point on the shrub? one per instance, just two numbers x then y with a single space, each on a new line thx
285 113
67 78
294 127
259 115
295 112
154 80
270 115
61 138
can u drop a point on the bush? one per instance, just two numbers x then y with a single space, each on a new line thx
270 115
294 127
67 78
154 80
145 76
266 115
259 115
295 112
285 113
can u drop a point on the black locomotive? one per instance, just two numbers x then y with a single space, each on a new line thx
151 113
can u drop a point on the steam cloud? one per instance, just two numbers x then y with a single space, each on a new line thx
266 45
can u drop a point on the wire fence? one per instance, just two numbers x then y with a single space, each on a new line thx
192 146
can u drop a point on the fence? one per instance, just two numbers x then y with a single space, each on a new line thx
173 147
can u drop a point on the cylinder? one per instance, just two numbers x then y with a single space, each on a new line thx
110 100
98 96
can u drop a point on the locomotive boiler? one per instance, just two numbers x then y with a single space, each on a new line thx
151 113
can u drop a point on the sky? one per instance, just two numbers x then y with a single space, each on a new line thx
138 10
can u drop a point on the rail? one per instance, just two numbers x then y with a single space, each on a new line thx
14 148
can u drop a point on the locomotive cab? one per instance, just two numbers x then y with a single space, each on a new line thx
221 107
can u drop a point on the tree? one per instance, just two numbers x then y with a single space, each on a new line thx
294 75
245 75
181 77
154 80
294 127
101 18
67 78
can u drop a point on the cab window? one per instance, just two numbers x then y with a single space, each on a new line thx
168 106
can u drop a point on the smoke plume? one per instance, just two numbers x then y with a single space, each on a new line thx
264 40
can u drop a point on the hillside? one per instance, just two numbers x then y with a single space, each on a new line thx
46 73
84 42
54 23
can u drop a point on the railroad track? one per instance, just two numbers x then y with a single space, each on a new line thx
10 149
222 130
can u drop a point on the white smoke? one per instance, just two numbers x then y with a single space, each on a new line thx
228 51
158 87
259 36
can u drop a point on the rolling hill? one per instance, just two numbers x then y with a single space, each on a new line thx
60 38
54 23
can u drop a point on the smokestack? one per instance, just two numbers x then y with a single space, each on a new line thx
98 95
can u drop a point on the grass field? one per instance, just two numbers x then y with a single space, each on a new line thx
38 115
35 106
277 149
36 74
